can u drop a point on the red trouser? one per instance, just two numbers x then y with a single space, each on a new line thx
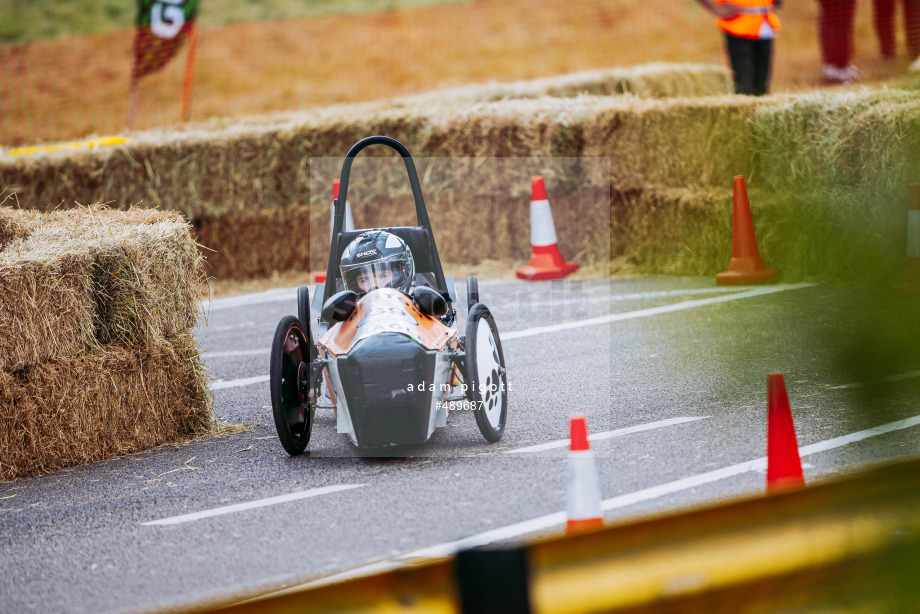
884 25
836 26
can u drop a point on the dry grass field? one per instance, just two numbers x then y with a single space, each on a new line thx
70 87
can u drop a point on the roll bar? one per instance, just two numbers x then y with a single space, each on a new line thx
421 213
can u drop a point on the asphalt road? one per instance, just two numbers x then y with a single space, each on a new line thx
681 361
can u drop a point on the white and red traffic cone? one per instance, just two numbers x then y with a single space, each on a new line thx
583 492
320 277
546 261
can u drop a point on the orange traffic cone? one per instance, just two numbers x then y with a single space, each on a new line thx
746 265
583 493
320 277
784 467
912 275
546 261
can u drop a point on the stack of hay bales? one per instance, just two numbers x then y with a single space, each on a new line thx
819 167
246 184
96 355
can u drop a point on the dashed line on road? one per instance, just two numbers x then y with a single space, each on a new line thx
277 294
236 383
613 317
549 521
239 507
561 443
890 378
637 296
644 313
229 353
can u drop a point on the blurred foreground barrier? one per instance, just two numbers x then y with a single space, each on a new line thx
842 546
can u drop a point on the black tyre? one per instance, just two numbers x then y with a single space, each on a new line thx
485 373
472 292
292 404
303 314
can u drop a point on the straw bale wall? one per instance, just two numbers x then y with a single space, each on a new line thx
674 144
648 81
806 235
256 243
86 408
96 358
228 166
842 159
672 231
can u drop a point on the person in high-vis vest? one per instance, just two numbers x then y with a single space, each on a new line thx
749 27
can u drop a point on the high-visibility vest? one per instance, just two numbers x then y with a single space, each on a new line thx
753 14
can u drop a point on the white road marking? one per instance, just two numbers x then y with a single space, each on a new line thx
234 326
549 521
644 313
837 442
239 507
561 443
540 330
228 353
892 378
636 296
284 294
278 294
564 297
236 383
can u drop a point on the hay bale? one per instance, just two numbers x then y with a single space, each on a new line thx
91 276
675 231
647 81
105 403
847 140
8 231
225 167
146 273
851 151
674 144
840 202
479 207
47 309
804 236
544 127
16 224
96 358
257 243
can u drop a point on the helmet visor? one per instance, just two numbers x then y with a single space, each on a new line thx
363 278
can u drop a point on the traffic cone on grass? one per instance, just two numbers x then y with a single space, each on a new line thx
784 466
546 261
583 493
320 277
746 265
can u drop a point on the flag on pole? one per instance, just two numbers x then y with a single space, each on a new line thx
162 27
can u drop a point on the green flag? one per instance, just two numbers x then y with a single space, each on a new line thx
162 27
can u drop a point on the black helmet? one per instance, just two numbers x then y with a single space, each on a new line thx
377 259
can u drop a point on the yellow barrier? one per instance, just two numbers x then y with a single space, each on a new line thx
90 144
847 545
